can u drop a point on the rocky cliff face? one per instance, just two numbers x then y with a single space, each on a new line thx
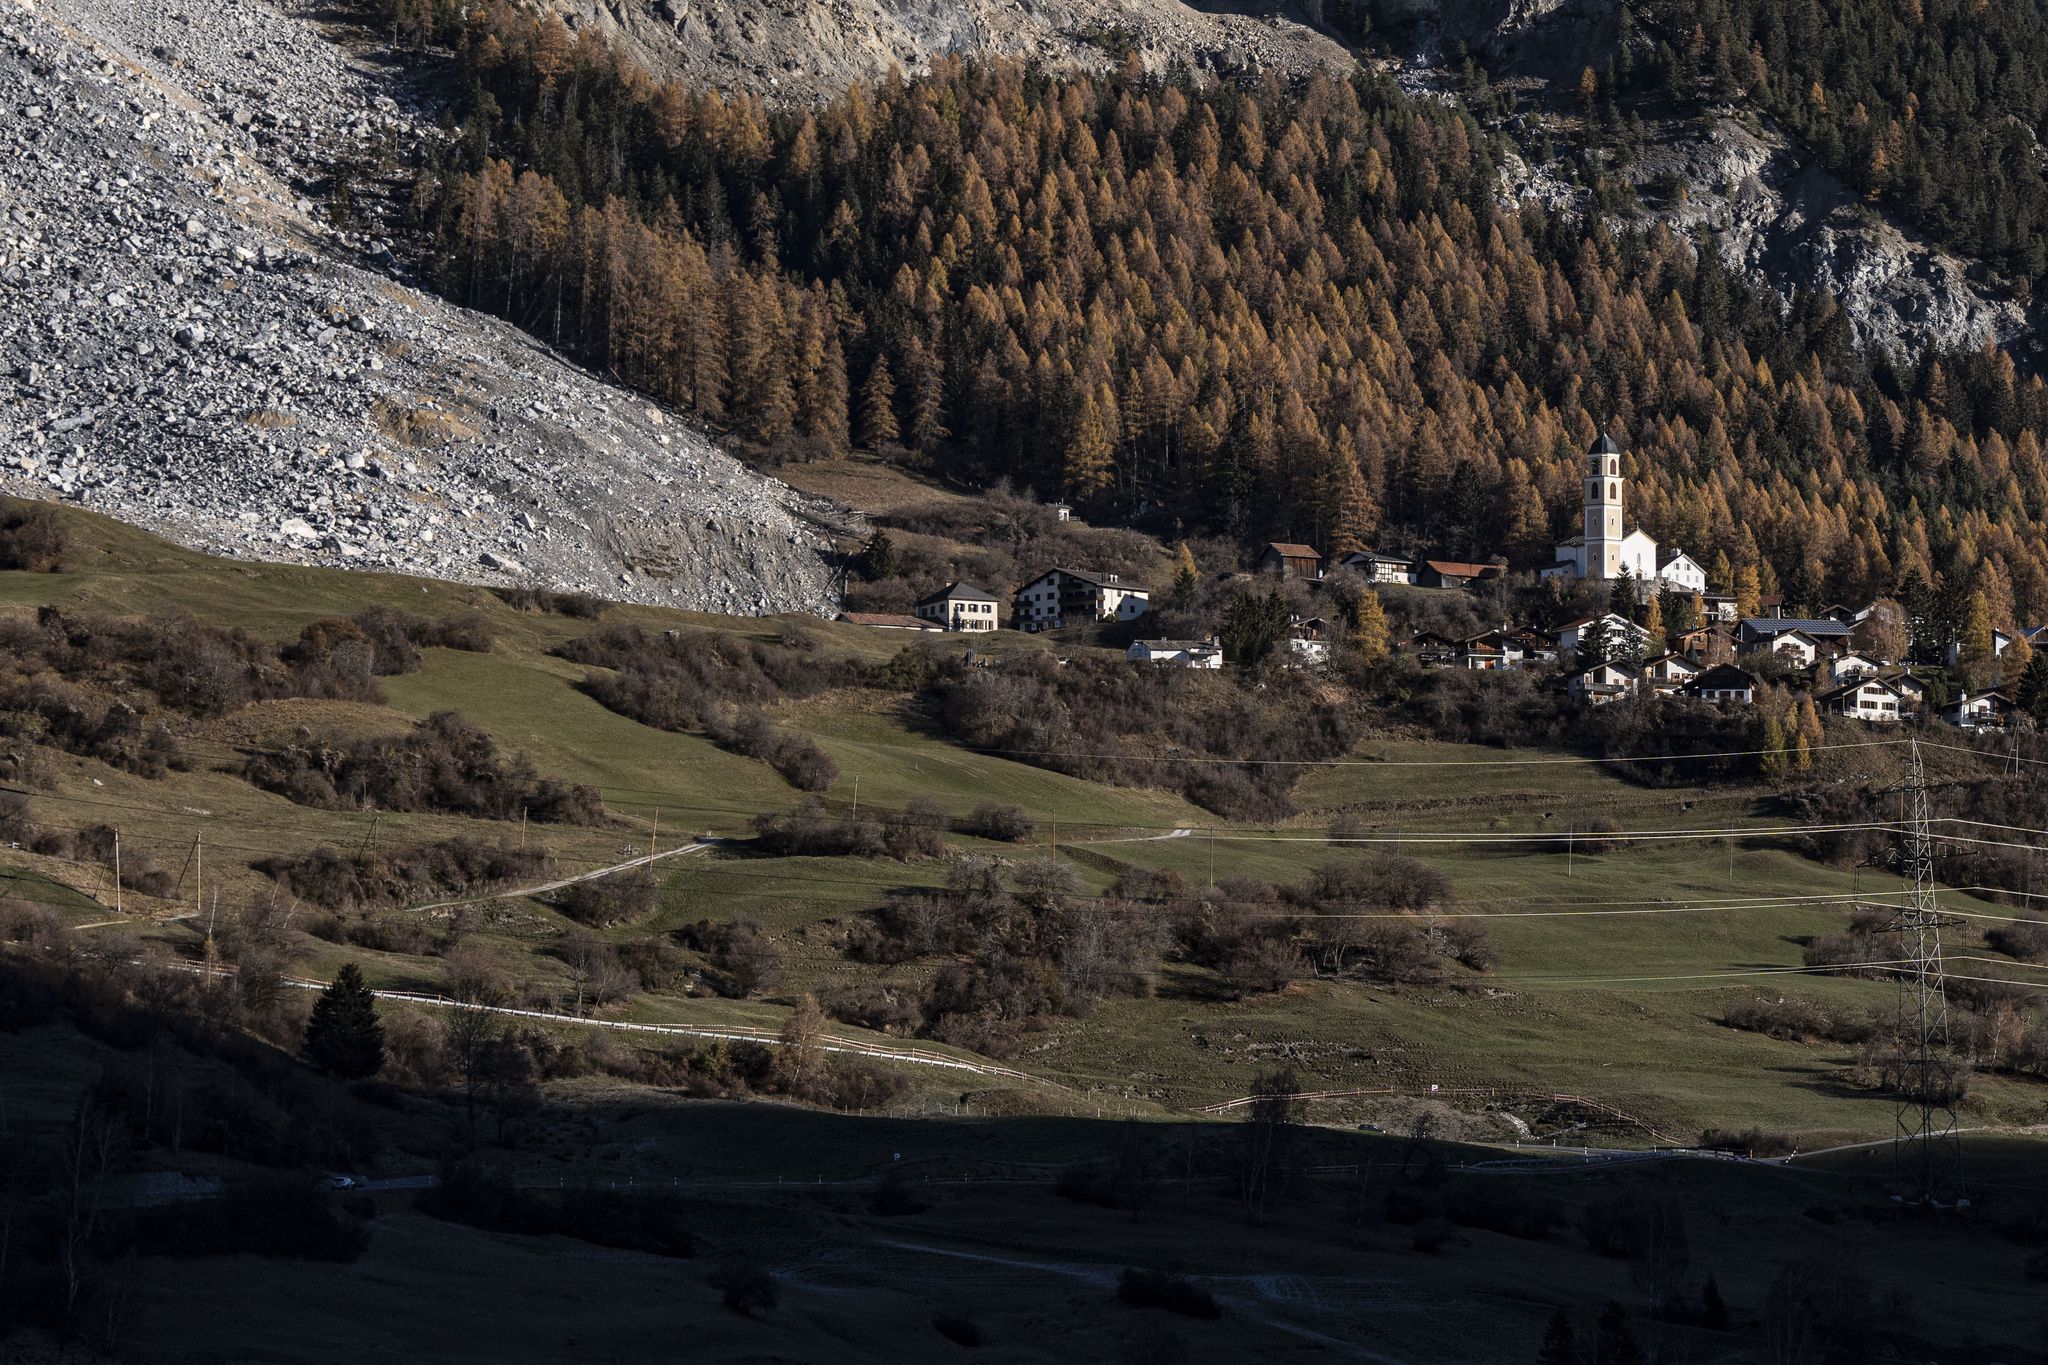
186 345
1771 210
799 50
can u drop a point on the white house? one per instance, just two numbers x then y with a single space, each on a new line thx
1720 606
1605 549
1601 683
1757 631
1870 699
1377 568
1669 672
1985 711
1680 572
1059 598
1180 653
1845 667
1622 633
960 606
1795 644
1308 641
1060 511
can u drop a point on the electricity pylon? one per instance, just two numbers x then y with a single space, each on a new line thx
1927 1150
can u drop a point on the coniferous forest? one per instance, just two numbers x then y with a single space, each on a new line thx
1267 309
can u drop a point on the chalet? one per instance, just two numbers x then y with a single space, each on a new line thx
1448 573
1177 653
1871 699
1059 598
1430 649
1622 634
1292 561
1484 653
1793 644
1844 667
1378 568
1985 711
1764 630
1912 693
1680 572
1667 673
960 606
1848 616
1600 684
1724 682
1309 641
1719 606
887 620
1705 642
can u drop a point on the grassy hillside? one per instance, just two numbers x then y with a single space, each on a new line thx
1614 967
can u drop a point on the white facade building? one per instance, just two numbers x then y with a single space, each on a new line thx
1606 547
1059 598
1183 653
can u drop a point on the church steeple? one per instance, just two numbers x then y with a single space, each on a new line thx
1603 509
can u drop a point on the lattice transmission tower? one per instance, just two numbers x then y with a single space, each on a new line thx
1927 1150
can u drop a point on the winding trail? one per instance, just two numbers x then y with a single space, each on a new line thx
542 888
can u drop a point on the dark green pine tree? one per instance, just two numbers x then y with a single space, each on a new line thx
1560 1342
1616 1344
344 1036
2032 696
1713 1309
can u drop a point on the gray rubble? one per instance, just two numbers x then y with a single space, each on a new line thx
184 344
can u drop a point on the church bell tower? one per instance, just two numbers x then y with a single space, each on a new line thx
1603 509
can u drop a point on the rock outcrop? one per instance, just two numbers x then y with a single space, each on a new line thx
792 51
185 344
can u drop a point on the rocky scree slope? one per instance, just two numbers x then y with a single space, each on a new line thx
803 50
184 345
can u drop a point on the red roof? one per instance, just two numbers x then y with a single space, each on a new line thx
1287 551
1450 568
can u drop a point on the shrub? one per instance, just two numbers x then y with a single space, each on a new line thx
810 831
32 539
1795 1020
1009 824
746 1288
580 605
333 880
443 764
960 1330
603 902
2021 940
749 962
277 1216
1175 1293
1750 1141
482 1197
878 1005
1505 1207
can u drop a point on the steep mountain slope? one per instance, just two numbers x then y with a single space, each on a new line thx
811 50
187 346
1724 170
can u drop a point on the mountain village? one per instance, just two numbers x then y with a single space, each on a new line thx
1664 632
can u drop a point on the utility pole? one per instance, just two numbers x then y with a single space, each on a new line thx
654 834
117 871
199 878
1927 1149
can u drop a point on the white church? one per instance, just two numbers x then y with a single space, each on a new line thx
1608 547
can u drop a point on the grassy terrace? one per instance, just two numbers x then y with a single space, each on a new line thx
1619 1006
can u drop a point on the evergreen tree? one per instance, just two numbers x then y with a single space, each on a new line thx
1713 1311
1186 581
1560 1341
1254 626
1616 1343
878 557
2032 692
344 1036
1596 644
1625 599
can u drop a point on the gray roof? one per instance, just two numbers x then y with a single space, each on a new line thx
962 589
1780 625
1604 446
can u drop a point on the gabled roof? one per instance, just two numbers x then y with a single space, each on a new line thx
1670 657
1818 628
1665 558
962 590
1373 557
1179 646
1451 568
1722 678
1856 685
1289 550
1096 580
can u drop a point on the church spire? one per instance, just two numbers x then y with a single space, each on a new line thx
1603 509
